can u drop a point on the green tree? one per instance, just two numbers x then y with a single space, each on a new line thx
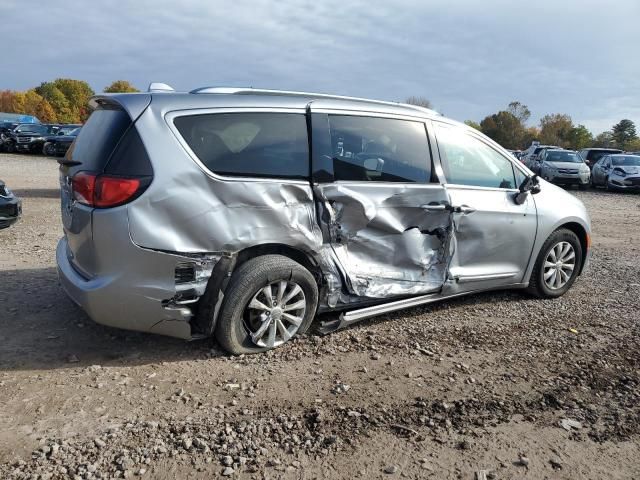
505 128
603 140
77 93
555 129
623 132
121 86
419 101
520 111
580 137
473 124
58 102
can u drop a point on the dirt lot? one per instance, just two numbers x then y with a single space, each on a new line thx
442 391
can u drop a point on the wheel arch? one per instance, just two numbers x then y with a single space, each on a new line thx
583 236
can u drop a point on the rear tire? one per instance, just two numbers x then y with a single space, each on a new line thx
239 325
541 283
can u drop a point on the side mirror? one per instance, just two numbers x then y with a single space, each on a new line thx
529 185
373 164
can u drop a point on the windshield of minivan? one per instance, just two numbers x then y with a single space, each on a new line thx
560 156
630 161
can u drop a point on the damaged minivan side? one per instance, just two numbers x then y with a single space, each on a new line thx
242 213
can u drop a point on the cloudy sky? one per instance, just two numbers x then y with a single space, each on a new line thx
469 57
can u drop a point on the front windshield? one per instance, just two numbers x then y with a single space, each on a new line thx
627 161
74 132
67 130
569 157
41 129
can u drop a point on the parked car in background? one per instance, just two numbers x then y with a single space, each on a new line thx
565 167
57 145
617 172
214 213
5 128
536 160
27 137
530 159
10 206
592 155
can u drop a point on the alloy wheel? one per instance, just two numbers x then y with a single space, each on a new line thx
559 265
275 313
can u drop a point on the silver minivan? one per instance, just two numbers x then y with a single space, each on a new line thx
243 213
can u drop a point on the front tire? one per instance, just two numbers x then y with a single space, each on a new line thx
557 266
269 300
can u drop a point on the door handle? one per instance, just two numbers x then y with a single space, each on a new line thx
465 209
435 207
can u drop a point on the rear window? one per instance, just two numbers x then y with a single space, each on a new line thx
249 144
98 138
595 155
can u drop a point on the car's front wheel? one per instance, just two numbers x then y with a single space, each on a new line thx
557 266
269 300
47 149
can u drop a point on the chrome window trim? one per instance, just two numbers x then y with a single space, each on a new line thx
457 186
171 115
361 113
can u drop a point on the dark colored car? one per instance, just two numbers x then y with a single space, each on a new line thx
592 155
27 137
10 207
57 145
5 128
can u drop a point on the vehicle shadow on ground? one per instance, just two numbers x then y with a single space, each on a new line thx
42 329
37 193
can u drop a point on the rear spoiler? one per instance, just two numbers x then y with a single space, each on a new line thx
132 103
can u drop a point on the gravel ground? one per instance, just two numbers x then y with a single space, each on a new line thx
496 385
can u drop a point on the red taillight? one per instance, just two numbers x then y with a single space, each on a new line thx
103 191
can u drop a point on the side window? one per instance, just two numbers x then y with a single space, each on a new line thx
379 149
249 144
468 161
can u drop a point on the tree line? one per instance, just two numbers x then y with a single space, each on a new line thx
63 100
509 128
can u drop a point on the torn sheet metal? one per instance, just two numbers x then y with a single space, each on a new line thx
384 242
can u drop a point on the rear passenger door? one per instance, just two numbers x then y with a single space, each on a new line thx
384 218
494 236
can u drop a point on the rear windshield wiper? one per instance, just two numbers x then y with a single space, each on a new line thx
68 163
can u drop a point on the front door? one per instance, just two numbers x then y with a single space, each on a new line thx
494 235
382 214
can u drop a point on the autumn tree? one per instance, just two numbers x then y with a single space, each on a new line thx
634 145
623 132
603 140
419 101
58 102
121 86
520 111
555 129
473 124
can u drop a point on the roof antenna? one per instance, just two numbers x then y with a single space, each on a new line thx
160 87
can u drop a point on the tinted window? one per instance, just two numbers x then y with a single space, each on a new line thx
379 149
563 157
594 155
249 144
39 129
468 161
98 137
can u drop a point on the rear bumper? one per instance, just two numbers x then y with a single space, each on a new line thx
135 295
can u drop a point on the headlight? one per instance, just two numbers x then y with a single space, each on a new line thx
620 172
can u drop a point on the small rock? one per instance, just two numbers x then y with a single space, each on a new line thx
99 443
227 461
523 461
227 472
390 469
376 356
555 464
568 424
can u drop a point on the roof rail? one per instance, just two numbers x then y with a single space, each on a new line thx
289 93
160 87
